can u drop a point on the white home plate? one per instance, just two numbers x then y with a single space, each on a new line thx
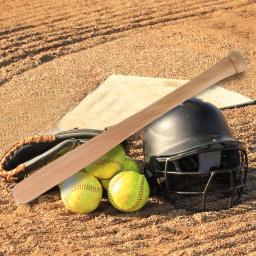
119 97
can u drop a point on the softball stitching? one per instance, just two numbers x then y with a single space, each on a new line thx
111 187
139 196
87 187
106 161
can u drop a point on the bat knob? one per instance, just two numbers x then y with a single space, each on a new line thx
238 61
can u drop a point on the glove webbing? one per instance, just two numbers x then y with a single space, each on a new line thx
8 175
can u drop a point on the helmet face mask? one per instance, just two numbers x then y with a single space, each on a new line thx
206 176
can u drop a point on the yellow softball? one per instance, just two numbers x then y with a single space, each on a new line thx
130 165
105 183
128 191
109 164
81 193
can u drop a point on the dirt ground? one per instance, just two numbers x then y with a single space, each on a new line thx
52 53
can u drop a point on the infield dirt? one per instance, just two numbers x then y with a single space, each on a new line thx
44 45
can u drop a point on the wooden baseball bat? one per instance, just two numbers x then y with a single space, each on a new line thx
70 163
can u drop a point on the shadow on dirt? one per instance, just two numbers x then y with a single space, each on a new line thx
158 207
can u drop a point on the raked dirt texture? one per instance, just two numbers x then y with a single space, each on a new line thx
53 53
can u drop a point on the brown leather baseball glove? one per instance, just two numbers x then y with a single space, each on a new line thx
29 154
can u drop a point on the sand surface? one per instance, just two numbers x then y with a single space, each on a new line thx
52 53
